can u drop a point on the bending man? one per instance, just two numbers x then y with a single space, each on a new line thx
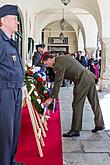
66 67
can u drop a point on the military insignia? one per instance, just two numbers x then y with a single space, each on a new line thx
14 58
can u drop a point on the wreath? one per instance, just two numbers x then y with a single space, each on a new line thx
36 77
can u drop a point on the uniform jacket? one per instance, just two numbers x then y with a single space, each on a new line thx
11 69
66 67
36 58
37 61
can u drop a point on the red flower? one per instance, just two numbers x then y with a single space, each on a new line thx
45 82
46 95
39 79
36 90
43 100
30 72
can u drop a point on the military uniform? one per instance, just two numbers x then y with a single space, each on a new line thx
66 67
36 58
11 81
37 55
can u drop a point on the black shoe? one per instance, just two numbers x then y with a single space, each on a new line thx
96 129
63 85
71 133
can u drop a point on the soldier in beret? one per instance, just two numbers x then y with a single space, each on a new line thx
38 54
11 81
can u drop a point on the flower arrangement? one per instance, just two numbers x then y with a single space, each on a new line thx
36 77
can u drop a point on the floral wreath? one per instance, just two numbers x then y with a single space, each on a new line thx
36 77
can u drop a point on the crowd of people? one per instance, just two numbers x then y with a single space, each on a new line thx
89 62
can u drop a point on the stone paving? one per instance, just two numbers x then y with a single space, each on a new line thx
89 148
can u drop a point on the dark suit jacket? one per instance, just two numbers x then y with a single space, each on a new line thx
67 67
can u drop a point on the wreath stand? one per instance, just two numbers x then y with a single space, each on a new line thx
39 122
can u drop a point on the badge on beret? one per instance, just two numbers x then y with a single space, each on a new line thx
14 58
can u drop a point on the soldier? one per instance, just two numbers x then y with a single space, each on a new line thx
11 81
38 54
66 67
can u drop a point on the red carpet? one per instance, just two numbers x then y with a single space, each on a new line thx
27 149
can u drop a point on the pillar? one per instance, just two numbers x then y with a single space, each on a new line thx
105 65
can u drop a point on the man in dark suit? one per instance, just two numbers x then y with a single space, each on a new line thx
66 67
11 81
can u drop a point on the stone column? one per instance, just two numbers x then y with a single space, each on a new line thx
105 65
36 30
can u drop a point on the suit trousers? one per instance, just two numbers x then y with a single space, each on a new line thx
78 104
10 115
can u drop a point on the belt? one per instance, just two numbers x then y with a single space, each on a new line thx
10 84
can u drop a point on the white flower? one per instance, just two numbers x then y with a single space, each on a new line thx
45 91
39 75
42 106
36 68
39 101
44 78
36 94
32 85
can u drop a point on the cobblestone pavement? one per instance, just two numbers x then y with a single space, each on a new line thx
89 148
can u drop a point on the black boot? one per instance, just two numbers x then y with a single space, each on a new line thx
72 133
96 129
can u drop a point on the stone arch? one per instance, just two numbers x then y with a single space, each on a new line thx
54 17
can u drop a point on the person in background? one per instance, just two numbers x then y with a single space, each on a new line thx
38 54
11 82
84 85
96 70
99 63
78 55
91 64
84 61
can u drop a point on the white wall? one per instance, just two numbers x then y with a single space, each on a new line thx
105 14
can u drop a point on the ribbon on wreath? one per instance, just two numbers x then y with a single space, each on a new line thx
45 116
55 105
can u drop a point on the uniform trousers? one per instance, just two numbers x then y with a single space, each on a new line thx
10 115
78 105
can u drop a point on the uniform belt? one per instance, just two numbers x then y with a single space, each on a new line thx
10 84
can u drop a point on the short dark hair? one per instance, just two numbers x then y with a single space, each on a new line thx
48 56
40 46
